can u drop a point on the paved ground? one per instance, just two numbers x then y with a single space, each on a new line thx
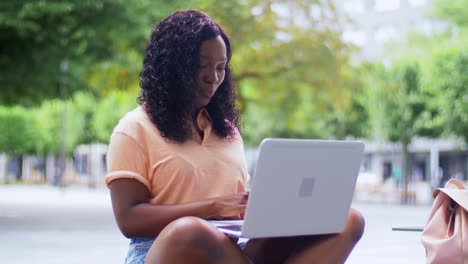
43 224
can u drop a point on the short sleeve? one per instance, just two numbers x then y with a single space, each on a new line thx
126 159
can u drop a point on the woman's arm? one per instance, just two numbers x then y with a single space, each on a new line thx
136 217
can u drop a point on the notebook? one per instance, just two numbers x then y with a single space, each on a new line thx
299 187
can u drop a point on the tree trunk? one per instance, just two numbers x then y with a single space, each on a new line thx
3 168
404 173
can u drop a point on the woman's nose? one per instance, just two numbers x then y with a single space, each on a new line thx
212 77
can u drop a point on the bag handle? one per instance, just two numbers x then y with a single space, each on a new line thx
459 194
455 182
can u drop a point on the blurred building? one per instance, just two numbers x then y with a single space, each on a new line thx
90 164
373 23
431 162
86 167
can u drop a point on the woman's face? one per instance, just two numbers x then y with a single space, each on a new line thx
211 70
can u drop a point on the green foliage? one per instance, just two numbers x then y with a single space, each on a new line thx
405 104
18 135
37 36
352 117
44 129
121 70
108 112
293 80
442 63
402 107
447 80
65 124
292 72
455 11
50 126
80 115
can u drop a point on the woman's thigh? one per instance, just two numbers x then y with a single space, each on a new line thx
194 239
279 249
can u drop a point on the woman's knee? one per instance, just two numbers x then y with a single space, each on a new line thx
355 225
196 235
190 229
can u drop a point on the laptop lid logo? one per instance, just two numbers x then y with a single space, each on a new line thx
306 188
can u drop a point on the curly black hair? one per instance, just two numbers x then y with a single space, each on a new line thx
168 83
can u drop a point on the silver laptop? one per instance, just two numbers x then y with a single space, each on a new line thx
299 187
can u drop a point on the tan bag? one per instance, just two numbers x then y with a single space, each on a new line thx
445 235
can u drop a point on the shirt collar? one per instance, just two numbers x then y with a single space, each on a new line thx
204 122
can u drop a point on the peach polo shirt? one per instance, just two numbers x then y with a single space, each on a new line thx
176 172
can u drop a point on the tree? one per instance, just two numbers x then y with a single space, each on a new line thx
447 74
36 36
352 118
50 113
291 70
19 134
405 107
447 80
455 12
81 109
108 112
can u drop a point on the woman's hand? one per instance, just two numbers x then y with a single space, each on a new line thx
229 207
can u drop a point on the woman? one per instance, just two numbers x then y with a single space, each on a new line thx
178 159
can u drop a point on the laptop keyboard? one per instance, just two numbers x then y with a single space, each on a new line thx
232 227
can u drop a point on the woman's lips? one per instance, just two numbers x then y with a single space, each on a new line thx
209 94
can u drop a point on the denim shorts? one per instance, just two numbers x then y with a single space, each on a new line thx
139 247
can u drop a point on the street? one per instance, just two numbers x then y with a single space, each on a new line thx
44 224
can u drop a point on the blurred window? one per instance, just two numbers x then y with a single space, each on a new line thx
385 34
256 10
417 2
367 162
104 163
386 5
283 36
424 26
356 37
81 163
315 11
354 7
281 9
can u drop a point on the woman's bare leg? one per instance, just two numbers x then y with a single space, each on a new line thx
193 240
334 248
